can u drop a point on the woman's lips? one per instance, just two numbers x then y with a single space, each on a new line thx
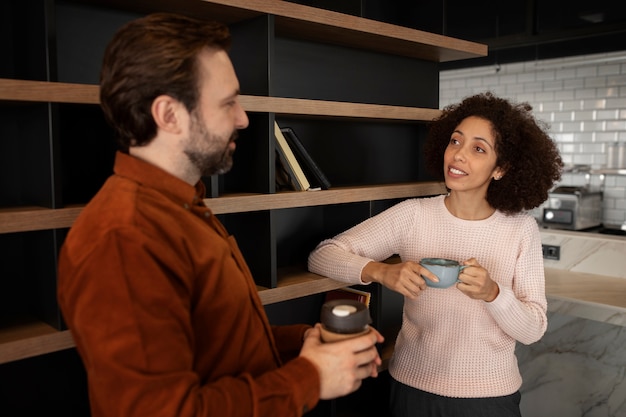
456 172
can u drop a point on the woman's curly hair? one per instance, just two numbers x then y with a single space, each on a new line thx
523 147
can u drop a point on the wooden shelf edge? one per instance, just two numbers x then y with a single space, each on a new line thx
44 91
319 25
296 283
307 107
36 338
35 346
338 195
27 219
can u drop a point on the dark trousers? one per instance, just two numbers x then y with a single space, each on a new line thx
406 401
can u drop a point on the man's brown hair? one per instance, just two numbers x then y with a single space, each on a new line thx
149 57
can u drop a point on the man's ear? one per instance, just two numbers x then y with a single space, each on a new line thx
169 114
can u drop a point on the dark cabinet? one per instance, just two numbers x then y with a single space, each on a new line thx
358 92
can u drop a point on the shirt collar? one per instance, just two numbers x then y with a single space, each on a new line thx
154 177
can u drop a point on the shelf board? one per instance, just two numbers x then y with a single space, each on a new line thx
25 219
337 195
305 107
28 219
26 338
318 25
295 283
31 338
43 91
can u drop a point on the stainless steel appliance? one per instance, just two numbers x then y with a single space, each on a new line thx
572 208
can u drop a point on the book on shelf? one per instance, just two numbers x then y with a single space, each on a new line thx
311 169
348 293
289 162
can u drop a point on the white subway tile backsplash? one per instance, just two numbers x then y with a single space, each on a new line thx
546 75
609 69
553 85
616 125
591 82
591 126
619 181
507 79
600 103
584 136
617 80
566 74
581 98
526 77
586 93
616 103
573 84
585 115
612 114
587 71
564 94
566 116
605 137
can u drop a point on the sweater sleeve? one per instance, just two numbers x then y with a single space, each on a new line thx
520 310
375 239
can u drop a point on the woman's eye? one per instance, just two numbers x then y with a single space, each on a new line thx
479 149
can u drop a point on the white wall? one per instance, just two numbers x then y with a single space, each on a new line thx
582 98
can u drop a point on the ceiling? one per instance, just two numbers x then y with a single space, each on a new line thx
522 30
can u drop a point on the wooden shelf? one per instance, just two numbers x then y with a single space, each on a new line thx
338 195
28 219
24 219
296 283
26 338
43 91
318 25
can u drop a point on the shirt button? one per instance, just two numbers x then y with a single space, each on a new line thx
186 206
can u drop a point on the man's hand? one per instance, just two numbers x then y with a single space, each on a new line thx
344 364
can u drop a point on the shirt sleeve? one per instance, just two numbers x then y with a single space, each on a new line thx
138 345
289 340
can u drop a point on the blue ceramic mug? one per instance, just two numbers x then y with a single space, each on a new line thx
446 270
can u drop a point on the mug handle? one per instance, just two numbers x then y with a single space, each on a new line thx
461 267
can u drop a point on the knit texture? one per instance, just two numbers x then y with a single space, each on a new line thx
450 344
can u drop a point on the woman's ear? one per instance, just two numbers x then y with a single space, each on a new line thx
498 173
169 114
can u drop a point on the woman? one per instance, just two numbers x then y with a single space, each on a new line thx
454 355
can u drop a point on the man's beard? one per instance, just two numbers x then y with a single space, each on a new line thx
202 151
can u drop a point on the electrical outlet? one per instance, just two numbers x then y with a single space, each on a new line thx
552 252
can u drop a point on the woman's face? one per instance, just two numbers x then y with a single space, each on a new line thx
469 161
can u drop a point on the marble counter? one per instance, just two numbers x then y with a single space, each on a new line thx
578 368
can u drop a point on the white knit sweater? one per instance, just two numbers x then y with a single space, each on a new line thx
450 344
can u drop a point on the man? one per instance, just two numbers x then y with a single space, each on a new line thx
161 304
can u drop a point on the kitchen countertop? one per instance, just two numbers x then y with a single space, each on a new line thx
589 278
590 296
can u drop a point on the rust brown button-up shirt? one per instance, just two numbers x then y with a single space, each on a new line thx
164 310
